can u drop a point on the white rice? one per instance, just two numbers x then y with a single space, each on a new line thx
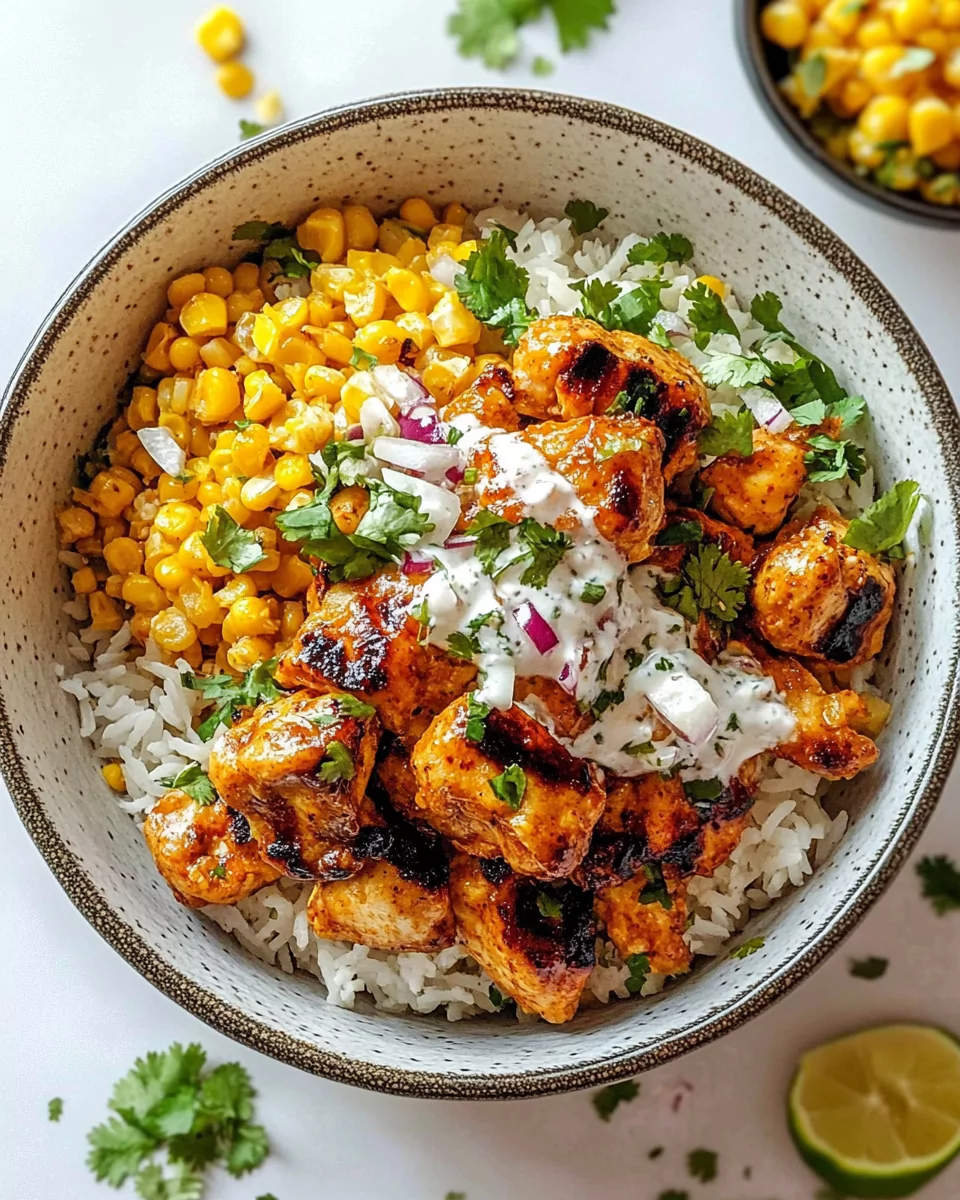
135 708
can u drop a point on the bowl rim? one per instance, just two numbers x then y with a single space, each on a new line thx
753 55
782 977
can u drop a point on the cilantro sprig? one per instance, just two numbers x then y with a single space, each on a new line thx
489 29
661 248
195 782
541 547
494 288
709 582
230 695
881 528
337 764
477 714
609 1099
229 544
941 883
280 244
585 216
728 433
170 1104
708 314
613 308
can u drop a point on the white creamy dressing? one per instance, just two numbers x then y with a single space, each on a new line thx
628 643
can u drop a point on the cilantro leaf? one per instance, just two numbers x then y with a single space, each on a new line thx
229 544
728 433
708 314
709 582
360 360
463 645
576 19
154 1079
748 948
849 410
765 310
55 1109
337 763
585 216
734 370
542 66
814 412
655 890
681 533
116 1150
609 1099
702 1165
293 261
703 790
882 527
609 306
492 535
941 883
477 713
509 786
194 780
487 29
249 129
248 1148
152 1184
592 592
550 907
597 295
639 965
868 968
259 231
812 74
829 459
661 248
494 288
545 547
230 695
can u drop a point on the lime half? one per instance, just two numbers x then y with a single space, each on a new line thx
878 1113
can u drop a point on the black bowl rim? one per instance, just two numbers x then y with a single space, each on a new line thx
753 55
780 978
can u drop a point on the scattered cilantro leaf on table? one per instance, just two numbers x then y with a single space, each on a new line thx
728 433
702 1165
229 544
868 968
941 883
55 1109
231 695
661 248
748 948
489 29
709 581
609 1099
194 780
881 528
249 129
494 288
585 216
577 19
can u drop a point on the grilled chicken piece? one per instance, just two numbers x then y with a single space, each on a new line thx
542 961
755 492
489 399
818 598
613 464
732 541
297 769
829 736
205 852
650 819
394 780
638 925
363 638
569 367
379 908
548 833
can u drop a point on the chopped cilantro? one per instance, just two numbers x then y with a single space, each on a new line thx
337 763
703 790
869 968
497 998
509 786
655 890
542 66
259 231
829 459
549 906
169 1102
231 695
708 314
711 582
663 664
470 476
881 528
543 547
812 74
463 645
748 948
494 288
733 723
702 1165
229 544
360 360
219 871
634 658
681 533
576 19
294 262
477 713
662 248
608 698
249 129
639 749
492 535
913 60
585 216
633 310
453 435
592 593
195 782
734 370
345 705
941 883
639 965
243 423
765 310
609 1099
55 1109
487 29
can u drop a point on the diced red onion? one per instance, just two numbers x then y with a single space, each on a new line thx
355 433
458 542
162 447
536 628
685 705
767 410
421 424
455 475
568 679
415 563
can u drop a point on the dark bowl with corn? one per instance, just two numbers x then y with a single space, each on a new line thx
869 91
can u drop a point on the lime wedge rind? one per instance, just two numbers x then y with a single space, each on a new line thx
860 1177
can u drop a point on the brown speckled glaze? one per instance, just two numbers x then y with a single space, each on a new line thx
477 146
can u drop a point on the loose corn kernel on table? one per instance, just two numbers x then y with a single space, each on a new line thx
90 86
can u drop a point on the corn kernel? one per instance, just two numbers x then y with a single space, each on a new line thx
297 350
197 601
261 397
156 356
269 108
216 395
292 577
76 523
246 276
453 323
383 339
113 774
885 119
259 493
205 315
442 371
455 214
942 189
184 288
937 40
785 23
184 354
291 618
220 33
171 574
407 289
360 227
219 352
950 14
841 16
411 254
293 471
92 547
238 587
324 382
911 17
448 236
300 428
123 556
235 79
324 232
177 520
83 581
113 586
714 284
110 494
365 302
143 594
948 159
931 125
193 555
105 613
348 507
246 652
218 281
419 213
417 327
172 631
248 617
336 346
855 96
951 70
877 67
875 31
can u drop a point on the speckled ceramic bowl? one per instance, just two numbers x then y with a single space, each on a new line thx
524 149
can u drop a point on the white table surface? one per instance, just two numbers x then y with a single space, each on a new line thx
104 104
